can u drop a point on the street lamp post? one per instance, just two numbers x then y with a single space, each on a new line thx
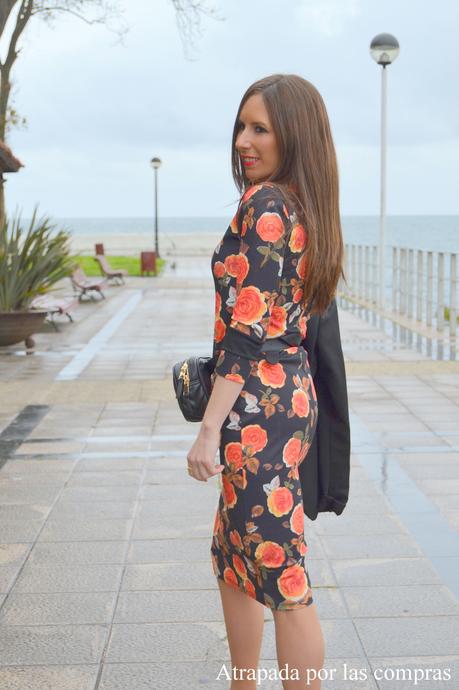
155 164
384 49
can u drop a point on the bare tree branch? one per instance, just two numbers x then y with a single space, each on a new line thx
188 14
5 10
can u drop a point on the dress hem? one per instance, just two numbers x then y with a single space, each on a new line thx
263 603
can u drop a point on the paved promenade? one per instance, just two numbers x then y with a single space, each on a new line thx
105 574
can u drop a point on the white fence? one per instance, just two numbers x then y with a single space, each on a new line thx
420 284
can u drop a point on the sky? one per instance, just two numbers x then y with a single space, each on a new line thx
98 110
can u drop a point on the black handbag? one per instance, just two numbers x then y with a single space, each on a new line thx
192 377
193 386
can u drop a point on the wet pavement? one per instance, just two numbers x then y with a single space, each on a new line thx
105 573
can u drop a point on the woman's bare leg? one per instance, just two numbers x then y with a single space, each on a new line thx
244 620
300 644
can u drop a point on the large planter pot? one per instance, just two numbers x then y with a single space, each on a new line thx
16 326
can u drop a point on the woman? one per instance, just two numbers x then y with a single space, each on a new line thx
279 262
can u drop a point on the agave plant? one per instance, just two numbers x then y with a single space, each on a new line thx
31 261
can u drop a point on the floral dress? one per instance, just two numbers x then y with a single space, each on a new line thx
258 268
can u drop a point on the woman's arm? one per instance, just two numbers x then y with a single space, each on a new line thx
224 395
201 458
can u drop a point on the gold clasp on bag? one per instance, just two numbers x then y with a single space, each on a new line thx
184 375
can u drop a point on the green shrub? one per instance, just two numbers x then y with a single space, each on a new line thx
32 260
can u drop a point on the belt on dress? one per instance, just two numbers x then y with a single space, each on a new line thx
272 347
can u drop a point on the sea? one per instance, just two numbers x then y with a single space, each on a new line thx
436 233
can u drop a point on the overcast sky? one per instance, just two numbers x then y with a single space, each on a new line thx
97 112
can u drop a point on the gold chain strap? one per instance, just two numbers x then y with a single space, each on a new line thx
185 376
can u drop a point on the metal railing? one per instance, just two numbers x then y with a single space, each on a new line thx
423 284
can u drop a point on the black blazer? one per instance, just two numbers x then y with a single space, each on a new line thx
324 472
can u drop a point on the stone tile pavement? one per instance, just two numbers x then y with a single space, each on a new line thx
105 575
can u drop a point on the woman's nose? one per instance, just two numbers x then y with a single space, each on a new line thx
243 142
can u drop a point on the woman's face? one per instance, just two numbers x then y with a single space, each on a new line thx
255 140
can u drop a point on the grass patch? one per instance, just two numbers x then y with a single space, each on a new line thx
447 316
130 263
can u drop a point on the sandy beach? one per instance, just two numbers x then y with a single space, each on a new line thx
198 244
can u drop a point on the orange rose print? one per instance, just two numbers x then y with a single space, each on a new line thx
220 330
219 269
250 305
254 436
239 566
291 453
237 378
302 323
250 192
300 403
233 454
249 589
229 494
271 374
297 295
301 266
297 519
218 304
293 584
298 238
280 501
269 554
237 266
235 539
277 321
270 227
230 577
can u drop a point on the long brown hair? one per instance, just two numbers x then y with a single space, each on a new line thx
307 176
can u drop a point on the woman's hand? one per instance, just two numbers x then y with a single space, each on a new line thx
201 458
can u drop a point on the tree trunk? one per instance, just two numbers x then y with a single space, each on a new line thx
23 16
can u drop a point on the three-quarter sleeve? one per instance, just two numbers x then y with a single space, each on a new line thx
263 223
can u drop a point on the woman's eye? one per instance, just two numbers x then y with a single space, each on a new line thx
262 129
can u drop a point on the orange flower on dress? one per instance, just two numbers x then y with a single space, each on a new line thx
233 454
280 501
250 192
249 589
237 266
297 519
230 577
250 305
270 227
239 566
235 539
302 324
219 269
217 523
297 295
301 266
234 377
291 452
255 436
233 225
218 304
298 238
271 374
313 388
300 403
219 330
277 321
229 494
293 584
302 549
270 554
